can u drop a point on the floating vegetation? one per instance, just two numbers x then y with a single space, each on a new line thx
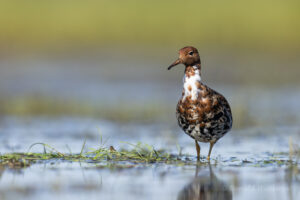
138 153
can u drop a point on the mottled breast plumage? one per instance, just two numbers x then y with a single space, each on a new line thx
206 117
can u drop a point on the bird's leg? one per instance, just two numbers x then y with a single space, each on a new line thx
210 148
198 150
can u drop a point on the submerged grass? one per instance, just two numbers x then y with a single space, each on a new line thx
139 153
109 157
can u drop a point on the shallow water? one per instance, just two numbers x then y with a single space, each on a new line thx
83 181
250 162
243 165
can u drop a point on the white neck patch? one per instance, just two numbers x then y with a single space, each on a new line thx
190 84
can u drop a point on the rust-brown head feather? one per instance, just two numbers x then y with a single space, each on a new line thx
189 56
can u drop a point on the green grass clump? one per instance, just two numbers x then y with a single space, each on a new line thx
140 153
109 157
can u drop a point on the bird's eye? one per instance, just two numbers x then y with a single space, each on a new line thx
191 53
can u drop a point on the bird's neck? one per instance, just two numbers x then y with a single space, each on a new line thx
192 81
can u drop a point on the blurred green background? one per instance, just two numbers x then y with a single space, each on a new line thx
108 58
268 25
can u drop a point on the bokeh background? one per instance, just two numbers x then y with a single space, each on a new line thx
108 59
80 75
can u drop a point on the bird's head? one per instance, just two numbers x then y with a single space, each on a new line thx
188 56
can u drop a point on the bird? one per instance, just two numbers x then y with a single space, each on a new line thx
205 186
202 113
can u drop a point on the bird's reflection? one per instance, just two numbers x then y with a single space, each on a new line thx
205 187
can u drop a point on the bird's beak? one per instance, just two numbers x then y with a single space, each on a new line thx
178 61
